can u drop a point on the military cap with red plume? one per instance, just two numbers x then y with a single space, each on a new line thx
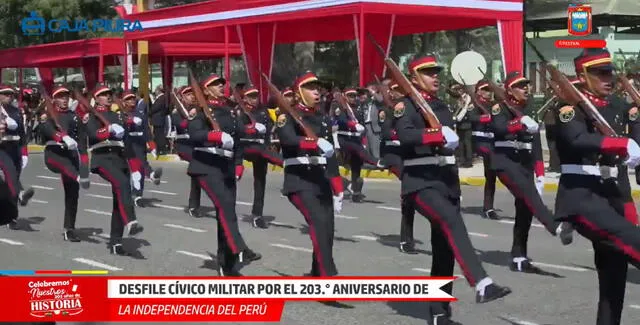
213 78
599 59
60 90
424 62
482 84
287 92
186 89
101 90
128 95
305 79
6 90
515 78
350 91
250 90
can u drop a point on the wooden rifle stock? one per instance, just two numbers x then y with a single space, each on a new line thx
85 102
51 112
500 95
468 89
243 106
282 103
202 102
406 86
179 106
345 107
386 93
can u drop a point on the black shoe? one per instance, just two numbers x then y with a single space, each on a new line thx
139 202
408 248
25 196
524 266
491 293
13 225
357 197
442 320
248 256
156 176
228 272
70 235
490 214
117 249
194 212
565 232
258 222
133 228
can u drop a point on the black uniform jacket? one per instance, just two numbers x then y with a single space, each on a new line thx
106 149
251 137
74 128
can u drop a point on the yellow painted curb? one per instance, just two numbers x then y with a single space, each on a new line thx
35 148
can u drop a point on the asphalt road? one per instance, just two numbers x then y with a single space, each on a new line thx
366 244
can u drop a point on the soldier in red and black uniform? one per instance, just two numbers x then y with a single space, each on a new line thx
254 146
65 153
217 163
311 178
588 195
519 164
483 145
109 159
184 147
430 180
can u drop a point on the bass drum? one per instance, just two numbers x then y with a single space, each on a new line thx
468 67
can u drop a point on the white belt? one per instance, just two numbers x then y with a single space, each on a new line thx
136 134
483 134
182 136
592 170
10 138
305 161
216 151
274 141
54 143
253 140
513 144
439 160
395 143
348 133
107 143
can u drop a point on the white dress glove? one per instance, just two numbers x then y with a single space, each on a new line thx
530 124
359 128
540 184
116 130
25 161
260 128
70 143
451 138
11 123
633 152
337 202
137 120
136 177
326 147
227 141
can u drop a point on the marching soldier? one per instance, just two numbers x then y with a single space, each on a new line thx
463 124
483 145
430 180
65 153
312 181
217 163
587 195
518 159
352 143
390 148
137 132
109 160
255 150
184 147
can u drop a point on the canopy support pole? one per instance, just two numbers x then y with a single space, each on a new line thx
100 64
227 61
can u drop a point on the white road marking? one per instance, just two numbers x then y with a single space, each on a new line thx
48 177
11 242
201 256
243 203
97 264
517 321
170 225
162 192
104 213
102 235
511 222
477 234
340 216
634 306
150 181
294 248
38 201
100 196
281 224
363 237
42 187
417 269
560 267
157 205
101 184
387 208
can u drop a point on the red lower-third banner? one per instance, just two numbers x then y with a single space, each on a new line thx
174 299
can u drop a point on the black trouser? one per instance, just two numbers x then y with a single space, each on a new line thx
117 173
67 166
489 176
222 192
184 152
407 210
11 173
260 158
449 238
612 267
160 138
317 210
550 134
358 155
465 150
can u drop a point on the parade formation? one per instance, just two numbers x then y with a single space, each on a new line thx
312 134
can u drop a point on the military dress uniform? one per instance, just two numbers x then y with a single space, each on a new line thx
109 160
65 153
391 154
217 163
311 178
184 148
255 144
517 158
430 180
588 195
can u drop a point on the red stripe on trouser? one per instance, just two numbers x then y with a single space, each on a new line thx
447 232
65 171
115 185
7 179
630 251
518 194
483 150
221 217
630 212
272 160
297 202
395 170
360 151
184 156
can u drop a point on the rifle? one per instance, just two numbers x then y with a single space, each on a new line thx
345 107
406 86
628 87
474 98
243 105
500 94
385 91
85 102
569 93
51 112
202 102
282 103
180 107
